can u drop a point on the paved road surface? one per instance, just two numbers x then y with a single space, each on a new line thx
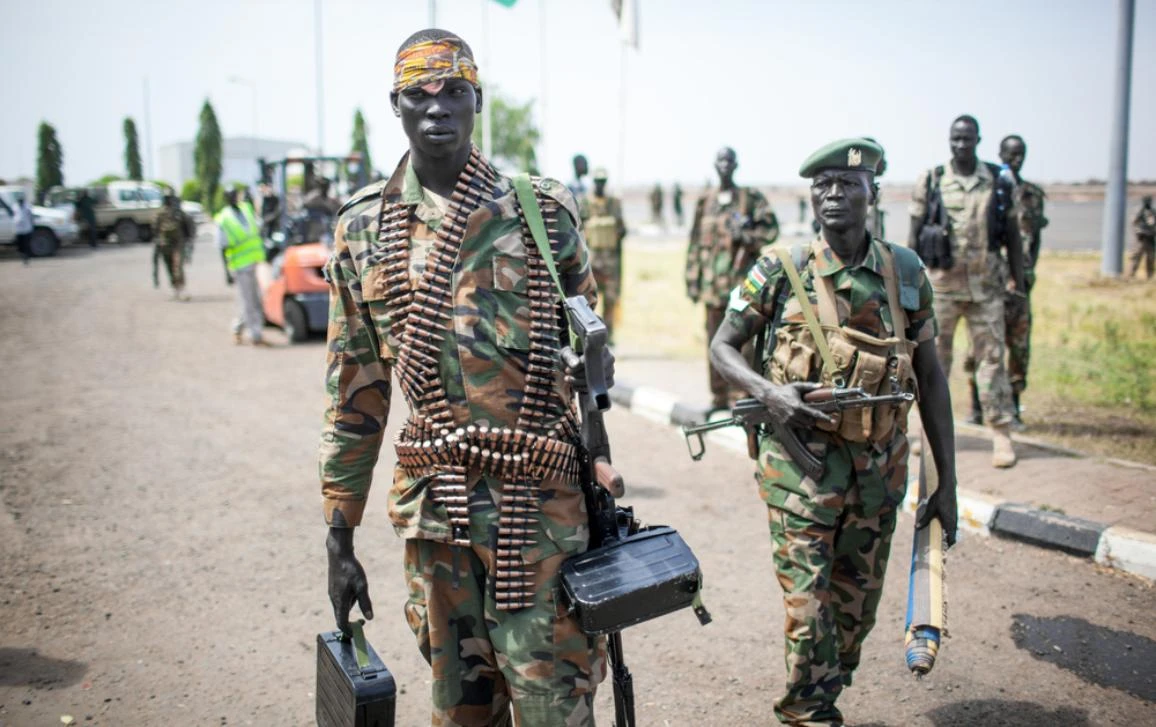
161 546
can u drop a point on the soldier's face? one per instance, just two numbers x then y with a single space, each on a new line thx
1013 153
725 164
600 187
840 198
964 139
581 167
438 118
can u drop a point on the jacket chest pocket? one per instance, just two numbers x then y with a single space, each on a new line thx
511 314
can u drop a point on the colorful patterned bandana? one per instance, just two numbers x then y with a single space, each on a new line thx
430 61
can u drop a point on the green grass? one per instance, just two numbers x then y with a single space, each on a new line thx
1092 381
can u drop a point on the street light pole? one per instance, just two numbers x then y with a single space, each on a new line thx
1116 195
320 80
253 89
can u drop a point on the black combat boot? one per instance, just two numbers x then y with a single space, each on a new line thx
976 417
1017 424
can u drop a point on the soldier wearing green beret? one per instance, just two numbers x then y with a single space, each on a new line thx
605 230
843 310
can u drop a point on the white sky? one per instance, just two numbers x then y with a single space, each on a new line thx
774 79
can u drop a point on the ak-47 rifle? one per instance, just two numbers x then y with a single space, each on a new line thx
752 413
600 481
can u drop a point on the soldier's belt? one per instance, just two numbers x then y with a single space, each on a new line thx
505 454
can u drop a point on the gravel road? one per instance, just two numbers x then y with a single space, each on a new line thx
162 561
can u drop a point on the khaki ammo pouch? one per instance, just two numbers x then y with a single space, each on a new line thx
839 356
601 233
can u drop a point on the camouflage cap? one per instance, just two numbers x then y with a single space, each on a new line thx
856 154
599 173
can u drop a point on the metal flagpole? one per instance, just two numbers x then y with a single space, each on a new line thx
1116 196
433 13
621 172
320 80
487 103
543 64
148 128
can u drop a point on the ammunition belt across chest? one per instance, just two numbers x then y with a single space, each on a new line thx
432 444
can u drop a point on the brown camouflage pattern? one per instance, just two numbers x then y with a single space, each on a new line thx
717 257
604 230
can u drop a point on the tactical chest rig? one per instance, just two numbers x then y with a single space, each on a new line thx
601 228
840 356
432 444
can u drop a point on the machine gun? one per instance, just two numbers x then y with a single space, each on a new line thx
600 481
751 413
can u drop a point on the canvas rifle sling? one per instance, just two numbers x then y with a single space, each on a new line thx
528 201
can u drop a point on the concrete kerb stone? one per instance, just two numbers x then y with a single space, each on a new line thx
1121 548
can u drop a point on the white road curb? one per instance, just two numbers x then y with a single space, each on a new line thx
1121 548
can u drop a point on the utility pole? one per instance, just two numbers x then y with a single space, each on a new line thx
320 79
1116 195
433 13
543 73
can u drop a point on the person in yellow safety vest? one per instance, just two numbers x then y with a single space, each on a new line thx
239 238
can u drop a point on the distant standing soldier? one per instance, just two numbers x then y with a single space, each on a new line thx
656 204
980 225
86 216
1145 249
1029 213
875 214
581 169
173 228
605 230
239 237
871 303
730 226
676 203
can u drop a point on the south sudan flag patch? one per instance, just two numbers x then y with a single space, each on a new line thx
756 280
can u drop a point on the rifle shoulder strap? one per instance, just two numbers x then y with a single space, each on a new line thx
532 214
781 292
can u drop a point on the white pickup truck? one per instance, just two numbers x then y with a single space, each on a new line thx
127 209
51 227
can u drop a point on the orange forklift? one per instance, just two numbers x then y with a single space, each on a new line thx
299 239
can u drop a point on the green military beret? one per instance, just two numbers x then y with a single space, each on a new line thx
599 173
852 154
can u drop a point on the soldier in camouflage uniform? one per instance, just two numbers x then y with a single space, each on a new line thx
973 288
173 229
731 225
436 279
1145 249
832 536
604 230
1029 214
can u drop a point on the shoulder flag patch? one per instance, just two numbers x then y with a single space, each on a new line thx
756 280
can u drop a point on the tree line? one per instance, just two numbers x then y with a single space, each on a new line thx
515 137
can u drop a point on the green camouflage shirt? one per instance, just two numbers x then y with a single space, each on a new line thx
729 230
486 345
1029 207
861 302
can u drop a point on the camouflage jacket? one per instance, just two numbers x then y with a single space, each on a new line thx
1029 205
978 273
485 331
861 302
172 227
1145 222
604 228
726 235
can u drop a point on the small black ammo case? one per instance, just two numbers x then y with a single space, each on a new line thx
354 689
642 576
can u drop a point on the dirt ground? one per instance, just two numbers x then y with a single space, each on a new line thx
162 562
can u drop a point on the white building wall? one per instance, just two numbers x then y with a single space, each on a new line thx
238 163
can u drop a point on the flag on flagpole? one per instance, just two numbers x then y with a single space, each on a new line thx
507 3
627 13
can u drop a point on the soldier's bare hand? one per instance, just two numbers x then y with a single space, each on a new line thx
574 369
941 506
786 404
347 582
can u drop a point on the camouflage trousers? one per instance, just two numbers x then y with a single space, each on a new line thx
174 262
986 328
487 662
832 581
1018 337
608 275
1144 250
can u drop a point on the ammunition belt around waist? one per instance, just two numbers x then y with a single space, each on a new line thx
506 454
